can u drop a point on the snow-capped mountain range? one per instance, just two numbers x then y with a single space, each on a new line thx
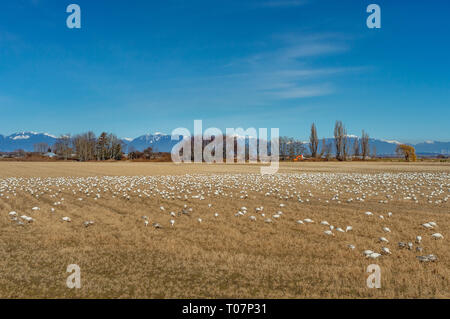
163 143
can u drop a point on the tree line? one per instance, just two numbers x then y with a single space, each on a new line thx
85 147
341 147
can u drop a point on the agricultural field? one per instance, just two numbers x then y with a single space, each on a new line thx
161 230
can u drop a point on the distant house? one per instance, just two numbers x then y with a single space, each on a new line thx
50 155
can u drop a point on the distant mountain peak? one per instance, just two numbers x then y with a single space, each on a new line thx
392 142
20 137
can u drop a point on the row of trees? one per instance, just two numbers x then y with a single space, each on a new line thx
85 147
343 149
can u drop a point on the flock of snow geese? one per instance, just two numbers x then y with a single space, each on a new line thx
345 188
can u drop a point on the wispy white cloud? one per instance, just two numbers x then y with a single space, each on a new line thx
304 91
289 70
319 72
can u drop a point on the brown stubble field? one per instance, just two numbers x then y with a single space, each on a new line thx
224 256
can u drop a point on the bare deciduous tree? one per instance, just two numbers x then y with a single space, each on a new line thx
356 149
63 146
313 141
290 147
339 135
364 145
284 147
85 146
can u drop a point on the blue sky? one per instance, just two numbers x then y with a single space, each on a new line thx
137 67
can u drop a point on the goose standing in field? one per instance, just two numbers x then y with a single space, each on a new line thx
172 222
374 255
386 251
383 240
66 219
300 222
367 252
199 220
348 228
437 236
427 226
27 218
386 229
308 220
418 239
329 233
324 223
351 246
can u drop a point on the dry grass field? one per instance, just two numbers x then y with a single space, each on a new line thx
227 254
